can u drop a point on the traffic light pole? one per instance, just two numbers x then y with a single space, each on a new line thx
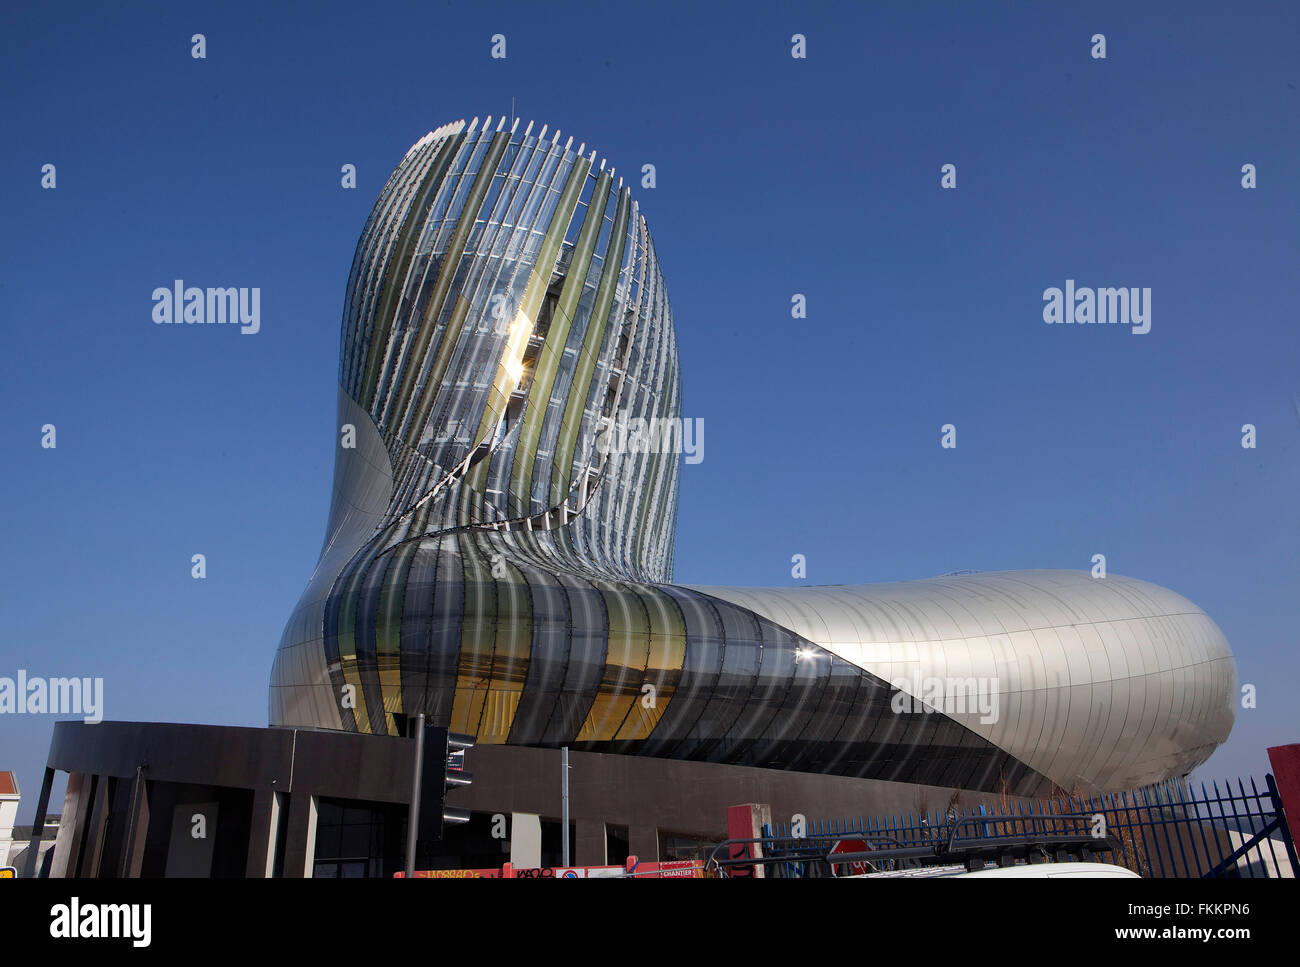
564 807
413 816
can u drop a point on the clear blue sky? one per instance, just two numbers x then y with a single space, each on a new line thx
775 176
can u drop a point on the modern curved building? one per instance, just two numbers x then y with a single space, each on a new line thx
490 562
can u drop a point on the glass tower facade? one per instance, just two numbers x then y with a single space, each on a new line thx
492 562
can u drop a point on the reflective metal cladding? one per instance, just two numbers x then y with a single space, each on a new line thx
486 562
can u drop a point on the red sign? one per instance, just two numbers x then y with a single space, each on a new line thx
855 868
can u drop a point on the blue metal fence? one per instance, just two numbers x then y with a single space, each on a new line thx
1170 830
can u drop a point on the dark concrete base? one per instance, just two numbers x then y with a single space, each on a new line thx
129 780
656 798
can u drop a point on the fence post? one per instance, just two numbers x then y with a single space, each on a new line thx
746 822
1288 840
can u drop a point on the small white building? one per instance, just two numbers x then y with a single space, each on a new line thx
14 841
9 798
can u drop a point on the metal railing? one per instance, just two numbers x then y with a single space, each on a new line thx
1170 830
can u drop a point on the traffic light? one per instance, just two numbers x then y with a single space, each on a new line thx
443 769
455 775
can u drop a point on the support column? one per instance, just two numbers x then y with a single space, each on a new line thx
262 838
93 850
643 843
300 838
38 827
589 850
72 820
137 827
525 841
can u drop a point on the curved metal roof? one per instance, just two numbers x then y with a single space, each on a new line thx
1101 683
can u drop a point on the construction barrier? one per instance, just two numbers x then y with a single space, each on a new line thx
633 869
